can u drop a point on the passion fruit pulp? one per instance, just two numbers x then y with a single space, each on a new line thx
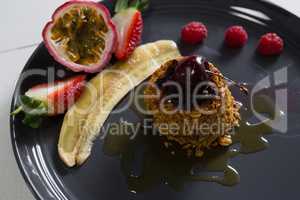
81 36
81 33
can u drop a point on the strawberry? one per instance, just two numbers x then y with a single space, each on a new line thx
49 99
129 24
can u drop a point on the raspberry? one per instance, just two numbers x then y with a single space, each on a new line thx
194 32
270 44
236 37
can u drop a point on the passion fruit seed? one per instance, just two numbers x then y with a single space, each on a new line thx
80 32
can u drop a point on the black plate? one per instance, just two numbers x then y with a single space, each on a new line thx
270 174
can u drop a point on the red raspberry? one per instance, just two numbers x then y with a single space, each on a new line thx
194 32
270 44
236 37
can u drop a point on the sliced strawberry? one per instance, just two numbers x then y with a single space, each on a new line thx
49 99
129 25
60 95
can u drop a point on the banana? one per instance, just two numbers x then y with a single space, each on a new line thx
83 121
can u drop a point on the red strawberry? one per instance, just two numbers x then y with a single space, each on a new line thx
60 95
50 99
129 24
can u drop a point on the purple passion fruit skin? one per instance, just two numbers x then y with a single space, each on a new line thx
190 75
81 36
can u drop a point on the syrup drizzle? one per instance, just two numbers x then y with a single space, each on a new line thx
241 86
159 165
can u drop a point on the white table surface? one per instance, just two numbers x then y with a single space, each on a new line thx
21 24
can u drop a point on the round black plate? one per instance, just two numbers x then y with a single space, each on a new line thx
271 174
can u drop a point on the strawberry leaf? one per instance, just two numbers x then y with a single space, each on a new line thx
33 106
33 121
121 5
33 110
141 5
134 3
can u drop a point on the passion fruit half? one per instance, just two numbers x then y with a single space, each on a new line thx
81 36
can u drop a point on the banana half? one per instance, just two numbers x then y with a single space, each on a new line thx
83 121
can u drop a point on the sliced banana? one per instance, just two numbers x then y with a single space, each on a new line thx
83 121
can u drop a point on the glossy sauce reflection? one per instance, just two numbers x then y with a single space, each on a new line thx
146 163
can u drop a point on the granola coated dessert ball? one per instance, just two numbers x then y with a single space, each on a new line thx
191 105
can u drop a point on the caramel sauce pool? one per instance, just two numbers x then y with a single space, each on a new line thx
146 162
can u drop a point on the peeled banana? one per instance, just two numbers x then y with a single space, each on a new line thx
83 121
